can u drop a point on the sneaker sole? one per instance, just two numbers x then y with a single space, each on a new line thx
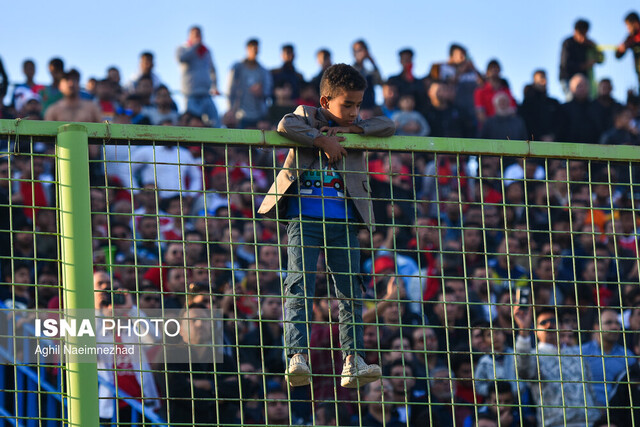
359 381
297 379
299 375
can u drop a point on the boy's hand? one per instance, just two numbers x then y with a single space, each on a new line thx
332 131
331 147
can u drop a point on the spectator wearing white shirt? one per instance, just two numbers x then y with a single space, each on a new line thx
173 169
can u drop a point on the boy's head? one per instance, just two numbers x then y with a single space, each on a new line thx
341 92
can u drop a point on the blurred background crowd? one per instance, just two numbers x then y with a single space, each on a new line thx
457 236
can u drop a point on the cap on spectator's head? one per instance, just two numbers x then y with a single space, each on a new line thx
384 264
23 96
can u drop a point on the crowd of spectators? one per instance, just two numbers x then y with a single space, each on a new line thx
457 236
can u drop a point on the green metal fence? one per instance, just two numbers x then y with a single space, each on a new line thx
487 257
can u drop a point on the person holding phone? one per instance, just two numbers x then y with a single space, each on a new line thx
564 383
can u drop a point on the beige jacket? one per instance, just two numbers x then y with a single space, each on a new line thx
303 126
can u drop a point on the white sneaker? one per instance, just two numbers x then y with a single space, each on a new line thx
357 374
298 372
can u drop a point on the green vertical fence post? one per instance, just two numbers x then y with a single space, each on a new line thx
77 267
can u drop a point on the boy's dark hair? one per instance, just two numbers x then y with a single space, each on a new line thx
253 42
146 54
288 47
632 17
582 26
339 78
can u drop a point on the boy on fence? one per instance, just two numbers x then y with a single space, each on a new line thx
324 195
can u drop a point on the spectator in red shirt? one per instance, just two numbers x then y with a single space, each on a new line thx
483 96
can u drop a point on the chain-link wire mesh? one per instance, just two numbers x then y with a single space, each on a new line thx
488 284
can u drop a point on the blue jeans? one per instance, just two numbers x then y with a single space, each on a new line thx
339 242
203 105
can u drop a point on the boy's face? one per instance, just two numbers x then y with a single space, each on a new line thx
344 108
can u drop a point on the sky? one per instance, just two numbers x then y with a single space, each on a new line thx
523 36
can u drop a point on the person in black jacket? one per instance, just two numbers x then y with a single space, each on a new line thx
624 403
538 109
578 120
264 343
196 377
578 56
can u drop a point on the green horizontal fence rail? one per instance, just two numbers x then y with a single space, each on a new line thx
86 217
113 133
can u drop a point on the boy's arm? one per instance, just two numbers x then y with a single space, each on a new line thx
297 127
381 126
